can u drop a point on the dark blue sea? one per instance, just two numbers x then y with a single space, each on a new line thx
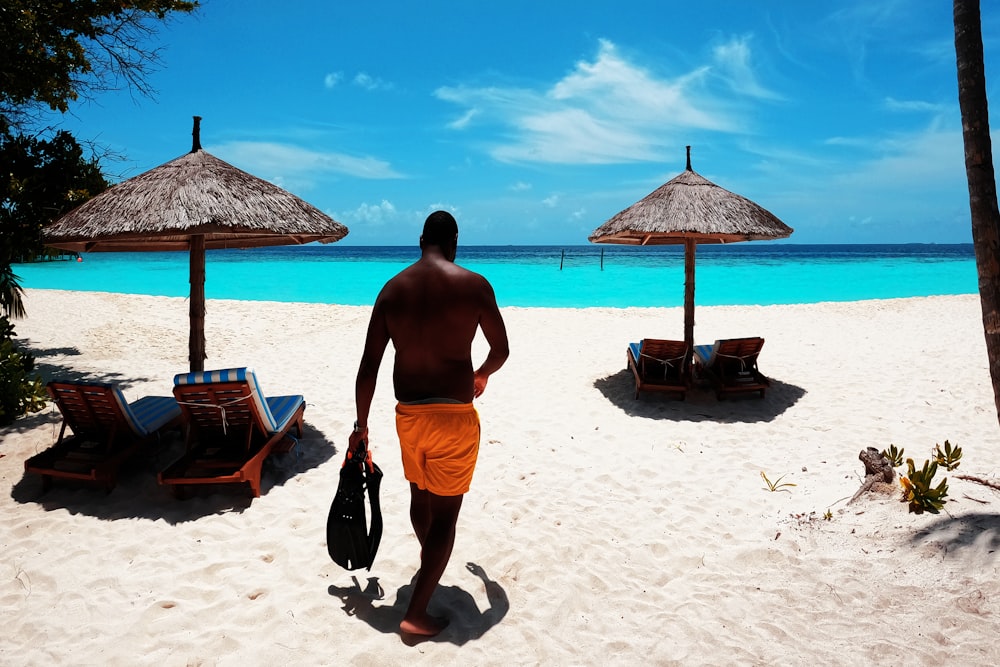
572 276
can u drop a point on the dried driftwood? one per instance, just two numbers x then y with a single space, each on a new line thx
877 469
980 480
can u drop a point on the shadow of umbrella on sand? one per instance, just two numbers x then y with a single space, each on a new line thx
194 202
690 209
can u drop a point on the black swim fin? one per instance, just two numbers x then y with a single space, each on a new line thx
351 541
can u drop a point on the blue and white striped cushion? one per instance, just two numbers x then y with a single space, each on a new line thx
209 377
153 412
706 353
148 414
283 408
275 411
634 349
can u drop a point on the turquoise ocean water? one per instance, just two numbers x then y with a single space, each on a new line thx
540 276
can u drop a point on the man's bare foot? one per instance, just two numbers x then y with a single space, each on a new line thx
426 626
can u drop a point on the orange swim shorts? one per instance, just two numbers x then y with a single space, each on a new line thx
440 444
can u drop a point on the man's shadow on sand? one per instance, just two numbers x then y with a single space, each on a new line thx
467 622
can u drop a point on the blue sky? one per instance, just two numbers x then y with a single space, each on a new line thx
534 121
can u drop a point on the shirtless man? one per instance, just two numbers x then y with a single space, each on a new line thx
431 312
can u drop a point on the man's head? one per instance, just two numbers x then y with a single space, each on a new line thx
441 230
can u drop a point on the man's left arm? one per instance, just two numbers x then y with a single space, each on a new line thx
491 322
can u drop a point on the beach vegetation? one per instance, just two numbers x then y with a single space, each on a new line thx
776 485
949 457
918 490
20 391
893 455
41 180
52 54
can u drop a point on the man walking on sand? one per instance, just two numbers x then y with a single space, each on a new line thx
431 312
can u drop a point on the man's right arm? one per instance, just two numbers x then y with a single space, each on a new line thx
371 358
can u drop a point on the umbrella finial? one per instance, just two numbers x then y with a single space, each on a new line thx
689 159
196 135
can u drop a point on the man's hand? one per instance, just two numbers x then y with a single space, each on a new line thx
355 438
479 384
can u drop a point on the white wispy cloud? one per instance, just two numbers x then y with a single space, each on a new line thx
924 160
616 90
733 62
361 80
608 109
463 121
373 214
368 82
274 161
892 104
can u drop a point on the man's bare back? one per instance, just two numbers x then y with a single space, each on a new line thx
432 311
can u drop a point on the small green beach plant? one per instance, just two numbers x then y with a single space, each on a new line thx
19 392
917 489
949 457
776 485
893 455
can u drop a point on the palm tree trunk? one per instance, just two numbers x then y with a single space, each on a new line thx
979 171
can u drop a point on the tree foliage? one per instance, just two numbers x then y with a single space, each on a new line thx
54 51
20 391
41 180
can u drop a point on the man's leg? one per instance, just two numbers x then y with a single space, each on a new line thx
434 518
420 513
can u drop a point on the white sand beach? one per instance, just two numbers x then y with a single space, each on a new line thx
599 530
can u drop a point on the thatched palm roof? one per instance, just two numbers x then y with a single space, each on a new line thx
195 202
196 194
690 207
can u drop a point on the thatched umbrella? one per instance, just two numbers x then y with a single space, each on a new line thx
195 202
690 209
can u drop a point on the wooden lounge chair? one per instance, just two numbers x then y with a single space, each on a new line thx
659 365
231 428
107 431
731 366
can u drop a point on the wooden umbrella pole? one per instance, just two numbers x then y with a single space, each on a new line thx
689 252
196 343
